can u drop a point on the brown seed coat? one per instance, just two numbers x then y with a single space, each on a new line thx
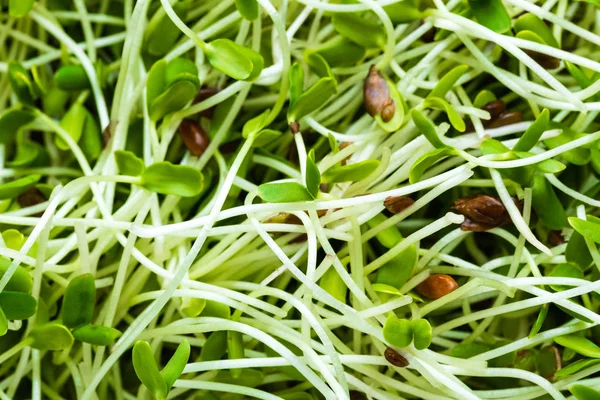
377 98
436 286
395 358
397 204
194 137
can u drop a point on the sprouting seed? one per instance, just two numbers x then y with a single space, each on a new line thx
495 108
284 218
396 204
377 97
436 286
395 358
194 137
482 208
294 127
31 197
506 118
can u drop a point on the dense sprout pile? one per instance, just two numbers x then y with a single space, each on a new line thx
299 199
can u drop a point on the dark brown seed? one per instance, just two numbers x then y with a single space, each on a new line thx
324 187
555 238
506 118
482 208
356 395
193 136
321 213
429 36
31 197
436 286
284 218
395 358
396 204
544 60
495 108
300 239
377 96
108 132
294 127
473 226
203 94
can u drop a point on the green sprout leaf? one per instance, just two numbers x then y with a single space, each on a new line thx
11 122
128 163
588 229
20 281
71 78
21 83
351 172
192 307
236 61
147 370
440 104
90 141
313 176
99 335
312 99
404 12
333 284
399 269
491 14
12 189
20 8
576 367
531 22
51 336
256 124
399 114
397 332
173 99
539 321
166 178
176 364
577 251
360 30
73 123
235 350
248 9
296 82
390 236
427 160
484 97
448 81
27 153
161 33
17 305
546 204
582 392
533 133
216 309
318 64
422 333
265 137
579 344
426 127
215 346
283 192
78 303
13 239
338 52
567 271
388 289
3 323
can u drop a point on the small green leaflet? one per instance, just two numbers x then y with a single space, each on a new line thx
539 321
448 81
215 346
577 251
296 82
565 270
312 99
484 97
73 123
333 284
166 178
50 336
20 281
176 364
283 192
351 172
128 163
546 204
265 137
397 332
582 392
576 367
248 9
12 120
319 65
390 236
254 125
398 270
338 52
532 23
147 370
20 8
236 61
427 160
12 189
427 128
17 305
383 288
162 33
534 132
235 350
440 104
365 32
399 115
71 78
96 334
21 82
579 344
78 303
588 229
491 14
422 333
313 176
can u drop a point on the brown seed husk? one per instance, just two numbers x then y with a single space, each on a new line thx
397 204
377 97
436 286
506 118
193 136
395 358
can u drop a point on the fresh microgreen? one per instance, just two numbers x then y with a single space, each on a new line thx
166 178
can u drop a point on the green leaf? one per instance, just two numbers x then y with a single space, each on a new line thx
20 281
27 153
390 236
265 137
360 30
426 127
401 108
313 176
576 367
73 123
580 77
333 284
90 141
296 82
13 239
71 78
588 229
577 251
594 2
166 178
248 378
550 166
404 12
283 192
338 52
565 270
579 344
161 33
51 336
20 8
484 97
11 121
155 83
17 305
422 333
383 288
79 300
99 335
215 346
448 81
216 309
440 104
318 64
128 163
173 99
248 9
312 99
493 146
531 22
176 364
234 60
533 133
235 350
399 269
427 160
3 323
181 69
539 321
333 144
351 172
256 124
21 83
147 370
582 392
397 332
491 14
12 189
546 204
192 307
